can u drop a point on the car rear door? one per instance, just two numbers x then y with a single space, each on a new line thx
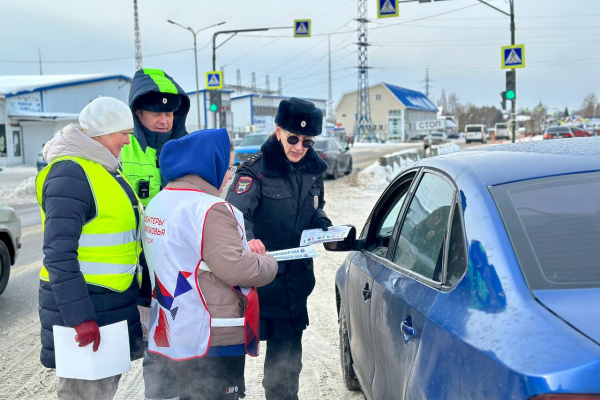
408 284
364 267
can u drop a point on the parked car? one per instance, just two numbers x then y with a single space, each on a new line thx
453 135
476 276
558 132
436 138
41 163
580 132
249 145
338 158
418 137
501 131
476 133
10 243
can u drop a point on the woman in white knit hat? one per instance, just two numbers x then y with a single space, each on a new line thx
91 218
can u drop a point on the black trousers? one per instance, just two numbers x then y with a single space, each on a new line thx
283 363
208 378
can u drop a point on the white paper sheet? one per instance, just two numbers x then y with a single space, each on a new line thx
294 254
112 357
316 236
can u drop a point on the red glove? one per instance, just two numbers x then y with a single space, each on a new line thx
88 332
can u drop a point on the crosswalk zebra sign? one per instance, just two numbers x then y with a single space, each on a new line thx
387 8
214 80
513 56
302 28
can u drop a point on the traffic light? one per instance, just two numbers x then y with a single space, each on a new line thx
503 102
511 84
214 100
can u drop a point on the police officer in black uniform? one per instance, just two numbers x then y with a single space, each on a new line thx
280 191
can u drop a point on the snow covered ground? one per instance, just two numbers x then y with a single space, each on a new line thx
17 185
349 201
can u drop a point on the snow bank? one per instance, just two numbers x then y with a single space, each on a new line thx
438 150
22 193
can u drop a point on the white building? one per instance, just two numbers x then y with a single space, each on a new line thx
208 118
34 107
256 112
394 111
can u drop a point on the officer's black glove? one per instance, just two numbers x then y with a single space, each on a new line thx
322 223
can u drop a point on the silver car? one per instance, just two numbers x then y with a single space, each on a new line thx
10 243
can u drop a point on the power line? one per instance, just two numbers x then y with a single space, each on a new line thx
96 60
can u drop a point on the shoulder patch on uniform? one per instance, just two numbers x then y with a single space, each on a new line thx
243 184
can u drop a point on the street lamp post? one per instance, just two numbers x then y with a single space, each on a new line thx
194 33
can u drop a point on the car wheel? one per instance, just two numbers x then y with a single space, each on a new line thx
468 141
336 171
4 266
349 171
350 380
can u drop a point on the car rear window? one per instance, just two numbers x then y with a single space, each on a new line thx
474 129
321 144
557 130
554 227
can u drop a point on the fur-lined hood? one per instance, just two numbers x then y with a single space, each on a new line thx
275 163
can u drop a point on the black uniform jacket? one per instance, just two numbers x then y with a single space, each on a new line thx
279 201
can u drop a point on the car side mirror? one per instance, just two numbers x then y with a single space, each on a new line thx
348 244
347 148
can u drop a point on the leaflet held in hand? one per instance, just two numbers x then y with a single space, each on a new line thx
294 254
317 236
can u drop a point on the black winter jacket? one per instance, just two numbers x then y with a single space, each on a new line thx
279 202
67 300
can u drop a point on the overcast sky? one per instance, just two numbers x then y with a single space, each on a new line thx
459 41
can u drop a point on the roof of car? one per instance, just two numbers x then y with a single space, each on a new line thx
496 165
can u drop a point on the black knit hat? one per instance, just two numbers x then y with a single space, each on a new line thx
300 117
158 102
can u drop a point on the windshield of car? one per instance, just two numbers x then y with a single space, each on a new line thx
254 140
554 226
474 129
501 126
321 144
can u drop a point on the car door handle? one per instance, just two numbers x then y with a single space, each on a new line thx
408 331
366 292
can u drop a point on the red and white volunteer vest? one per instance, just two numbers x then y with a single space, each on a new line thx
180 323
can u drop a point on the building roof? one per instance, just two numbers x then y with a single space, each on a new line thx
38 116
411 99
22 84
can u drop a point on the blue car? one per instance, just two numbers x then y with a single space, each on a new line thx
477 276
249 146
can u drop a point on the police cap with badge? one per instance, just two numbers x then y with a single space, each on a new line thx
300 117
158 102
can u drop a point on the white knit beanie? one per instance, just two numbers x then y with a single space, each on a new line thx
105 115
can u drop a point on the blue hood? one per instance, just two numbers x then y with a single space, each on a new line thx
204 153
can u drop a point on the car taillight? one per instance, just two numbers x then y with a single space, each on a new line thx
324 155
568 135
567 397
547 136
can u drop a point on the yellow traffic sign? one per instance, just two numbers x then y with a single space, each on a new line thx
513 56
302 27
214 80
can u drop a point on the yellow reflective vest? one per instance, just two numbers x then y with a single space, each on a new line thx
109 245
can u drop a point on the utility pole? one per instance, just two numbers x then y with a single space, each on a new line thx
427 82
253 82
40 60
330 94
280 87
513 113
268 84
239 81
194 33
138 42
363 125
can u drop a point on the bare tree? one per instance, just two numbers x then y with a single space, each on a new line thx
443 102
589 106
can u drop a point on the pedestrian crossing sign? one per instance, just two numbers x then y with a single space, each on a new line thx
214 80
387 8
302 28
513 56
